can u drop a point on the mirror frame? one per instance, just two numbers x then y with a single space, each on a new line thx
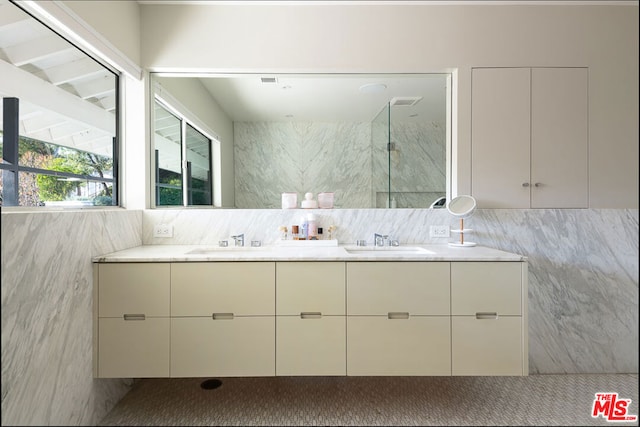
449 121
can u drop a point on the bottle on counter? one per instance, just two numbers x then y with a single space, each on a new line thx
295 232
312 227
304 230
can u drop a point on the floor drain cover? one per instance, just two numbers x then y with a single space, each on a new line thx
210 384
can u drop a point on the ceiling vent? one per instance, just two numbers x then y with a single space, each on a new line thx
269 79
405 101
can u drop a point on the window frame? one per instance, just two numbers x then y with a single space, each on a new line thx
12 167
173 107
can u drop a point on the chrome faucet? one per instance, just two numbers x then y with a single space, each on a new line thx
238 239
380 239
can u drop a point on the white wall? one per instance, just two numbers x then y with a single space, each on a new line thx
117 21
424 38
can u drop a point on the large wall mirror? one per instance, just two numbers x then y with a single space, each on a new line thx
374 140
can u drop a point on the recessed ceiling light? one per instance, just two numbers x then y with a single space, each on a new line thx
373 88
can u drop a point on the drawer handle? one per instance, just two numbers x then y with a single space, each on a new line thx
222 316
492 316
310 315
134 317
398 315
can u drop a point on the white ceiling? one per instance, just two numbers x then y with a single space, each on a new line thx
327 97
66 98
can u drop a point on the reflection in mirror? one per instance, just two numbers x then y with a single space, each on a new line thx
180 183
374 140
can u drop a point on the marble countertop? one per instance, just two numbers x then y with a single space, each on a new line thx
203 253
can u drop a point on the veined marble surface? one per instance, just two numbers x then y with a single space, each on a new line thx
47 318
203 253
300 157
583 266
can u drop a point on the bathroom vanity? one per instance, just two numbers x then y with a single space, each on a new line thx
190 311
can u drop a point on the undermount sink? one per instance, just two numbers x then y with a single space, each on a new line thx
388 250
228 249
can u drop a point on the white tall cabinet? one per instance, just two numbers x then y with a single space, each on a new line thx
529 137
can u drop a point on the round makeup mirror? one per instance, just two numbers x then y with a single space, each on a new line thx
462 207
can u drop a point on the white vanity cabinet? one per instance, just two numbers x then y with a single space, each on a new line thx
529 131
488 318
317 318
222 319
310 318
398 318
133 320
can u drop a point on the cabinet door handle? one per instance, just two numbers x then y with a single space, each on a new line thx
310 315
134 317
398 315
488 315
538 184
525 184
222 316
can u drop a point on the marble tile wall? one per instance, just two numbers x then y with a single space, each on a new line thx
583 266
277 157
301 157
47 332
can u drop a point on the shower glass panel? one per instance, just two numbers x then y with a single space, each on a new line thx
380 159
417 157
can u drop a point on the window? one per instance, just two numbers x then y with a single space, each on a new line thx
182 160
59 124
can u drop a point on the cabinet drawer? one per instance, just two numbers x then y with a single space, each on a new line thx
238 347
486 287
133 289
417 288
310 287
312 346
241 288
487 346
133 348
418 345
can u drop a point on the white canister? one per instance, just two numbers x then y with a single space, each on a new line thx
289 200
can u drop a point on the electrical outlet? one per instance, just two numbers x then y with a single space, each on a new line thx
439 231
163 230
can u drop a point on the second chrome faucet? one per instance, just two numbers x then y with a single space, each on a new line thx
238 239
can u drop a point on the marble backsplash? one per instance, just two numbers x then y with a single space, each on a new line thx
583 266
47 317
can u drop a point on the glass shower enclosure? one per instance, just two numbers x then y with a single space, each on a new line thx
409 157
